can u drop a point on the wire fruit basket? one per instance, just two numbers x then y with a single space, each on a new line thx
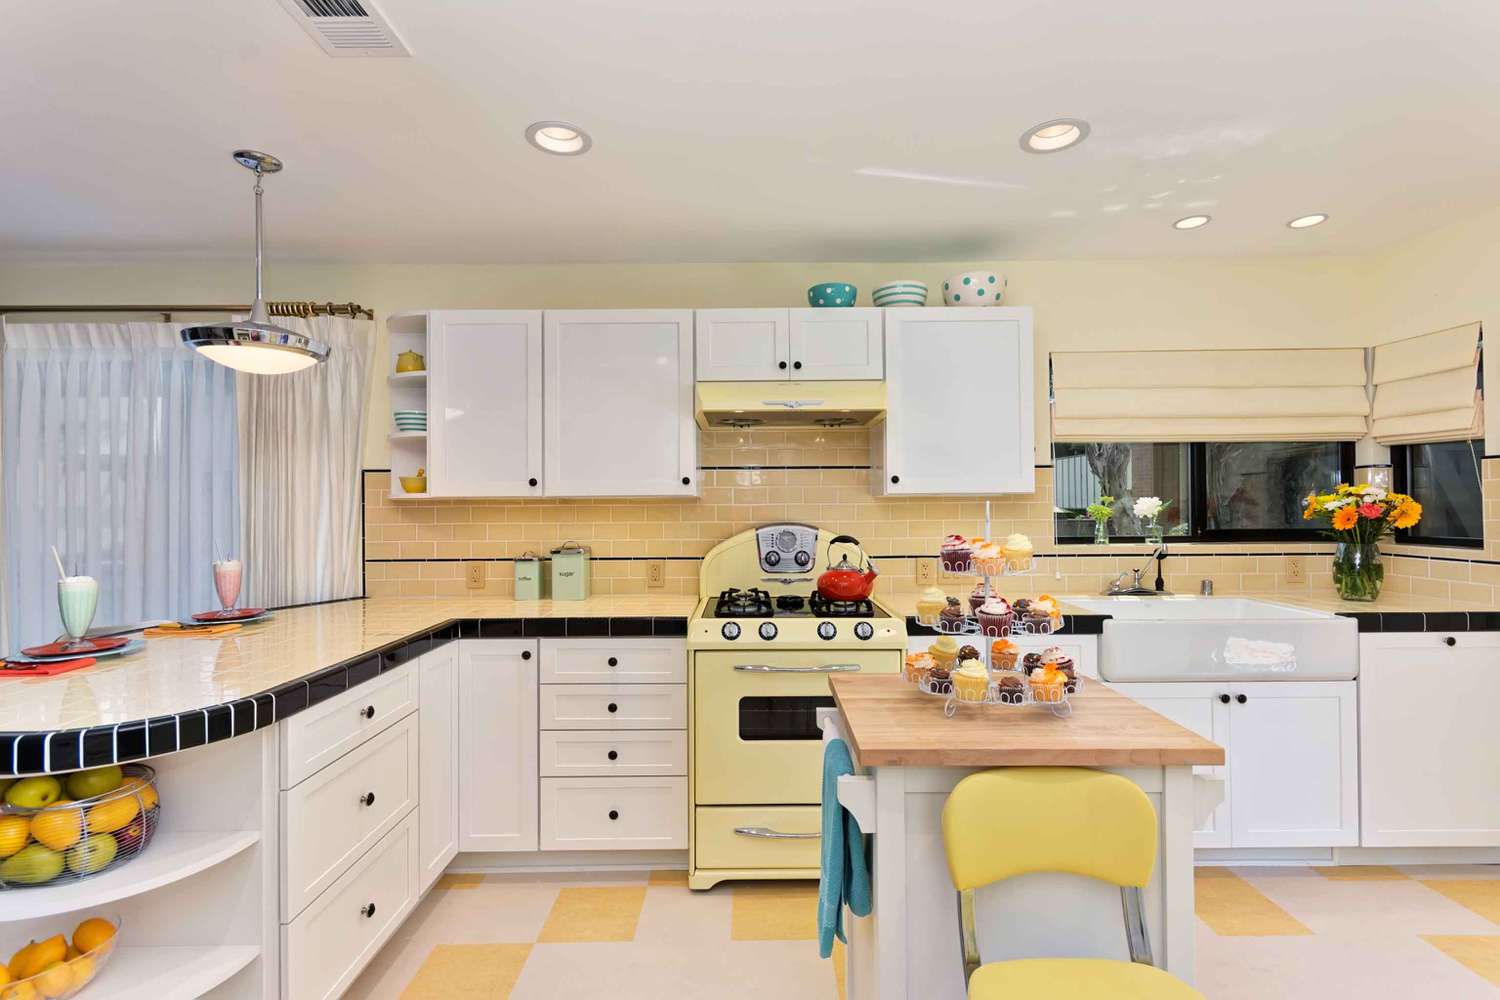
68 841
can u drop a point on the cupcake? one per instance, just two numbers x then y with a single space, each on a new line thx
1003 654
995 617
1054 657
930 604
1018 551
1021 606
970 682
1012 689
944 652
918 665
954 554
967 653
989 558
952 616
1042 615
1048 684
939 681
977 596
1031 662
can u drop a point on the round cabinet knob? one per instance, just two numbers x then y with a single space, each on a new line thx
730 631
531 481
614 755
686 480
1241 698
368 711
781 365
827 630
1224 698
614 662
525 654
797 365
767 631
367 799
1450 641
773 558
613 708
895 479
802 558
614 814
863 630
368 909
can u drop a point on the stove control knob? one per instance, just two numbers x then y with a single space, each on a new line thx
767 631
827 630
773 558
803 557
731 630
863 630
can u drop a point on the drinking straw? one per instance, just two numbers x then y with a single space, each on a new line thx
62 574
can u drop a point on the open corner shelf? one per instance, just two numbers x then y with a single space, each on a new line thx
410 496
413 379
407 436
169 973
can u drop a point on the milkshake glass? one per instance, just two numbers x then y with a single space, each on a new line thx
77 600
227 574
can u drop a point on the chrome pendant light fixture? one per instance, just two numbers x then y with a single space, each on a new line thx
256 345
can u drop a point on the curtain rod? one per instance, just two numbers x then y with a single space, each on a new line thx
300 309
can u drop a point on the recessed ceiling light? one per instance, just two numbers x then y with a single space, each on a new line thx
1192 222
1057 134
1308 221
558 137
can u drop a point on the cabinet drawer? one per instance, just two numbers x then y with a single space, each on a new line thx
614 661
614 706
719 846
325 948
324 733
586 753
614 814
332 818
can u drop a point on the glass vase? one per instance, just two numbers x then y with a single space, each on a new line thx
1357 573
1154 533
1101 532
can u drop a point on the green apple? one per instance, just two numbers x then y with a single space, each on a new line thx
32 865
5 783
92 853
34 793
95 781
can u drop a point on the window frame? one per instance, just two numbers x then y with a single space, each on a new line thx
1401 480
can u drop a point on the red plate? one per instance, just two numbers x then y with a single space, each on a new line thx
228 616
83 647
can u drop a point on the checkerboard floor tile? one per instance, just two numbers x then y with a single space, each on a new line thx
1293 933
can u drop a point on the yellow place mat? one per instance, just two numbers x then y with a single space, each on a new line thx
176 629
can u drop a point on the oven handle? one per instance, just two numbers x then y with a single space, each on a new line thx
827 668
766 833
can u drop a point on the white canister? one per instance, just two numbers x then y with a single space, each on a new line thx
529 581
570 572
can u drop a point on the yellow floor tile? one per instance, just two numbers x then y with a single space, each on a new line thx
1233 907
1480 895
668 876
459 881
1362 873
774 911
838 958
595 913
468 972
1480 954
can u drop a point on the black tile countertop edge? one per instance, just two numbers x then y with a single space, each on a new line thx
70 749
1071 625
1425 621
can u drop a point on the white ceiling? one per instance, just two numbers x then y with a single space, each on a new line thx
764 130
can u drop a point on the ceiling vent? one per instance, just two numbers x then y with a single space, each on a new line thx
347 28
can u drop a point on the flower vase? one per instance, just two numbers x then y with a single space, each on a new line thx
1101 532
1153 531
1357 573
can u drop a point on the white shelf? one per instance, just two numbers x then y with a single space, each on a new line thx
169 973
402 495
407 436
413 379
170 858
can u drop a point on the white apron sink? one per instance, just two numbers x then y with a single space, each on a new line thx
1221 639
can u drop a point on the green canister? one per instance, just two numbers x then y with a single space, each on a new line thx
529 577
570 572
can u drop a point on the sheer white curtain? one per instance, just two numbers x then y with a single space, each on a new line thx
120 448
300 454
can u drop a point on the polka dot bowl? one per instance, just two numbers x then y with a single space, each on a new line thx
832 295
974 288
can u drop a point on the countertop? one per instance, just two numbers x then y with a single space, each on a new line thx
890 724
905 602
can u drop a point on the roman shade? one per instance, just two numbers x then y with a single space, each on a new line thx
1427 388
1229 395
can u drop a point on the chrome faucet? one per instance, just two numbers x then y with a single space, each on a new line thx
1117 586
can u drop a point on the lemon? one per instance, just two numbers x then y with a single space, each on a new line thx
57 828
92 933
14 831
114 814
54 980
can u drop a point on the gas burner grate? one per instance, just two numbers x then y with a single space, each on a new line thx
736 603
822 607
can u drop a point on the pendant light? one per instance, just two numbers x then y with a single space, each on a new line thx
256 345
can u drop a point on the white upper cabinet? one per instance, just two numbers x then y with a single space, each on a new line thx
619 403
773 345
485 395
959 403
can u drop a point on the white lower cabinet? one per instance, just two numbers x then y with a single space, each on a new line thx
1430 760
614 814
437 817
1203 709
629 752
497 734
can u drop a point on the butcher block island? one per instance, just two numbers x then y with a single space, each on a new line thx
909 756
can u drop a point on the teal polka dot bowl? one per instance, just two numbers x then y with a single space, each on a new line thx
974 288
832 295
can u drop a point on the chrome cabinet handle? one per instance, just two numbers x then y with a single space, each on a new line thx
766 833
827 668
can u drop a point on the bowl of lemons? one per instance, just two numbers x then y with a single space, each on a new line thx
60 966
59 828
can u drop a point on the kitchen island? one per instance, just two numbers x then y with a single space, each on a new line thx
910 756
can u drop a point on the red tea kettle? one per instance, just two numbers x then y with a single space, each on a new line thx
846 581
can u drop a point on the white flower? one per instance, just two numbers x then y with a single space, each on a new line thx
1374 494
1148 508
1340 502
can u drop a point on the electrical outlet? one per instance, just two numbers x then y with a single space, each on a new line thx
474 575
926 572
656 573
1294 571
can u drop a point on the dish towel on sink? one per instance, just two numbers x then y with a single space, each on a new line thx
845 878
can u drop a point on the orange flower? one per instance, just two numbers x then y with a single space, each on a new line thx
1345 518
1406 515
1310 507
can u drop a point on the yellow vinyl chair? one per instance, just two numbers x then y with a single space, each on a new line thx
1012 821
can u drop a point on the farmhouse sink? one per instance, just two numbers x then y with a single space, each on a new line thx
1221 639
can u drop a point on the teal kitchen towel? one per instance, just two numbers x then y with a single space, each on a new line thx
845 878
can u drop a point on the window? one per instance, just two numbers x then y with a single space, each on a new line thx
1445 480
1230 491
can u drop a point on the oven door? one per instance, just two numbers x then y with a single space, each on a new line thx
755 731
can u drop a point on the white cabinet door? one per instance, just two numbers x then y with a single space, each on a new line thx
485 403
619 403
1293 761
437 718
1428 751
837 344
497 733
742 345
1204 709
959 389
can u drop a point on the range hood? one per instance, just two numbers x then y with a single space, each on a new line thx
790 404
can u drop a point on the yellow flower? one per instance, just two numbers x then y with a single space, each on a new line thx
1406 515
1310 507
1345 518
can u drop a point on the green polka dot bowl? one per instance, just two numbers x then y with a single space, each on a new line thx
974 288
832 295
